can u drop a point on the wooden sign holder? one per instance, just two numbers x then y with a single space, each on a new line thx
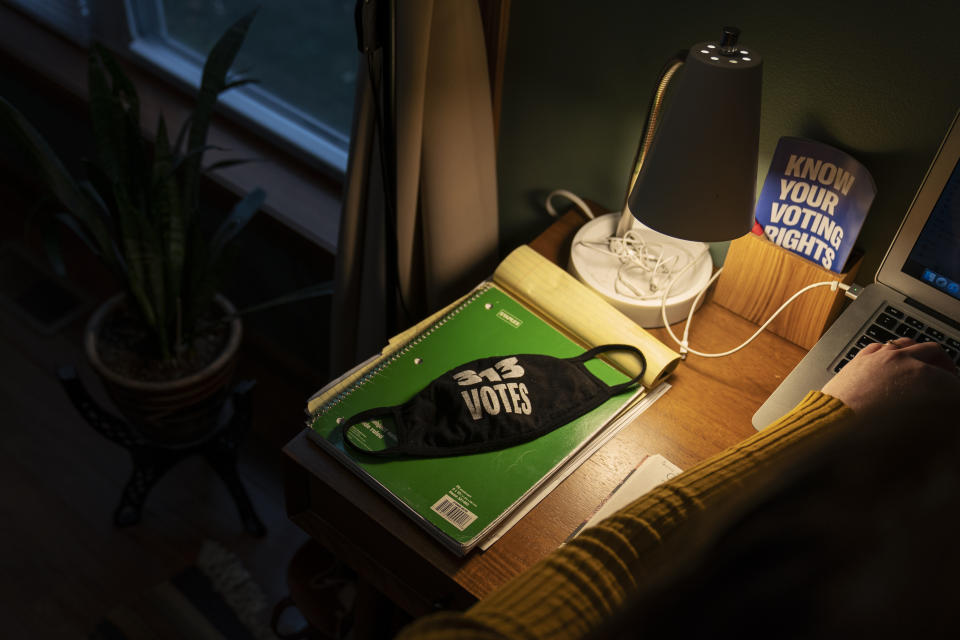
758 276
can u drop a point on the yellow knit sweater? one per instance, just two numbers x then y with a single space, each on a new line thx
570 592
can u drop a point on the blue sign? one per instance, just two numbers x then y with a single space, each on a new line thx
814 201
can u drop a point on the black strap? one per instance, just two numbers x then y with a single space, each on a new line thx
623 386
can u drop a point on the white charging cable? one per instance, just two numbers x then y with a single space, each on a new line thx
645 269
634 253
685 341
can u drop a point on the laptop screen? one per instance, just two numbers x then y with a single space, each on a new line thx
923 261
935 257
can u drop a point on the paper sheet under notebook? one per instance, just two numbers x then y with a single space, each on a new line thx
652 471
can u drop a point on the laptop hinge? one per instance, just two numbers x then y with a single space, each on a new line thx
933 312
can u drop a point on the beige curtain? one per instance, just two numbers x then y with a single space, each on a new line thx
446 206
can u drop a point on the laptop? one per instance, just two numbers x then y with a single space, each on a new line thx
916 292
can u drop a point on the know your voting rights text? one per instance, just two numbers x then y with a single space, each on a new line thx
814 201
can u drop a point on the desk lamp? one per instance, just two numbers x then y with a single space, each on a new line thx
694 181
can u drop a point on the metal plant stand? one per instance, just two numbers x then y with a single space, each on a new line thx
151 461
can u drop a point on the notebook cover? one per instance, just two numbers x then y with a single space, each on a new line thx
459 499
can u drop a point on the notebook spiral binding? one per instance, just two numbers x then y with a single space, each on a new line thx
420 337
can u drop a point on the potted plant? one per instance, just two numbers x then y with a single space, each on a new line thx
166 346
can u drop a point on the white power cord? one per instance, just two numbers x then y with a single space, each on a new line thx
572 197
634 253
685 341
643 262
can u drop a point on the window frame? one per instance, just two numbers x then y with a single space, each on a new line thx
257 108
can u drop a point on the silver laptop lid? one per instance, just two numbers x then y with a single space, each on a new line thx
923 261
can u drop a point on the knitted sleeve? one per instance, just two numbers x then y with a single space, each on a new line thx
571 591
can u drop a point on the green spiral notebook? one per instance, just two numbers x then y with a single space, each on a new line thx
460 500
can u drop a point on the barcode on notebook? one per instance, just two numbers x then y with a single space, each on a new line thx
451 511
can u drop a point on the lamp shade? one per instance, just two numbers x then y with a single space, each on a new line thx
698 178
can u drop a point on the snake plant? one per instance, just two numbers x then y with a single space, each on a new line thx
137 207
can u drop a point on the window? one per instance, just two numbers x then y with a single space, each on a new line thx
303 55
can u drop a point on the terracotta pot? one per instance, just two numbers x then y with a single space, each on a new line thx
174 412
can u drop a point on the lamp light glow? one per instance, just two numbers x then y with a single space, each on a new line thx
693 182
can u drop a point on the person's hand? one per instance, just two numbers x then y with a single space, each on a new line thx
896 376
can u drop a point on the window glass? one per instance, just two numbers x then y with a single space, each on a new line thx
302 54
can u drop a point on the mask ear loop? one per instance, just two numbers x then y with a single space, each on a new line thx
623 386
364 416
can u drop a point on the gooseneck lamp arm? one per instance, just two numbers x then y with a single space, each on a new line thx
653 117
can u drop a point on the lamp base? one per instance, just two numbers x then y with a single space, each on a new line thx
599 271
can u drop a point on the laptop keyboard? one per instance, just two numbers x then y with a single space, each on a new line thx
892 323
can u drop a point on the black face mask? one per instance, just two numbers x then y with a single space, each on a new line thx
493 403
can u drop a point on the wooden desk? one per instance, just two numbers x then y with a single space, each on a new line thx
708 408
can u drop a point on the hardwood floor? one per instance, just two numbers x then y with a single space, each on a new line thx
63 563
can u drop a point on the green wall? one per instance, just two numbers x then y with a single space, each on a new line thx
882 85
